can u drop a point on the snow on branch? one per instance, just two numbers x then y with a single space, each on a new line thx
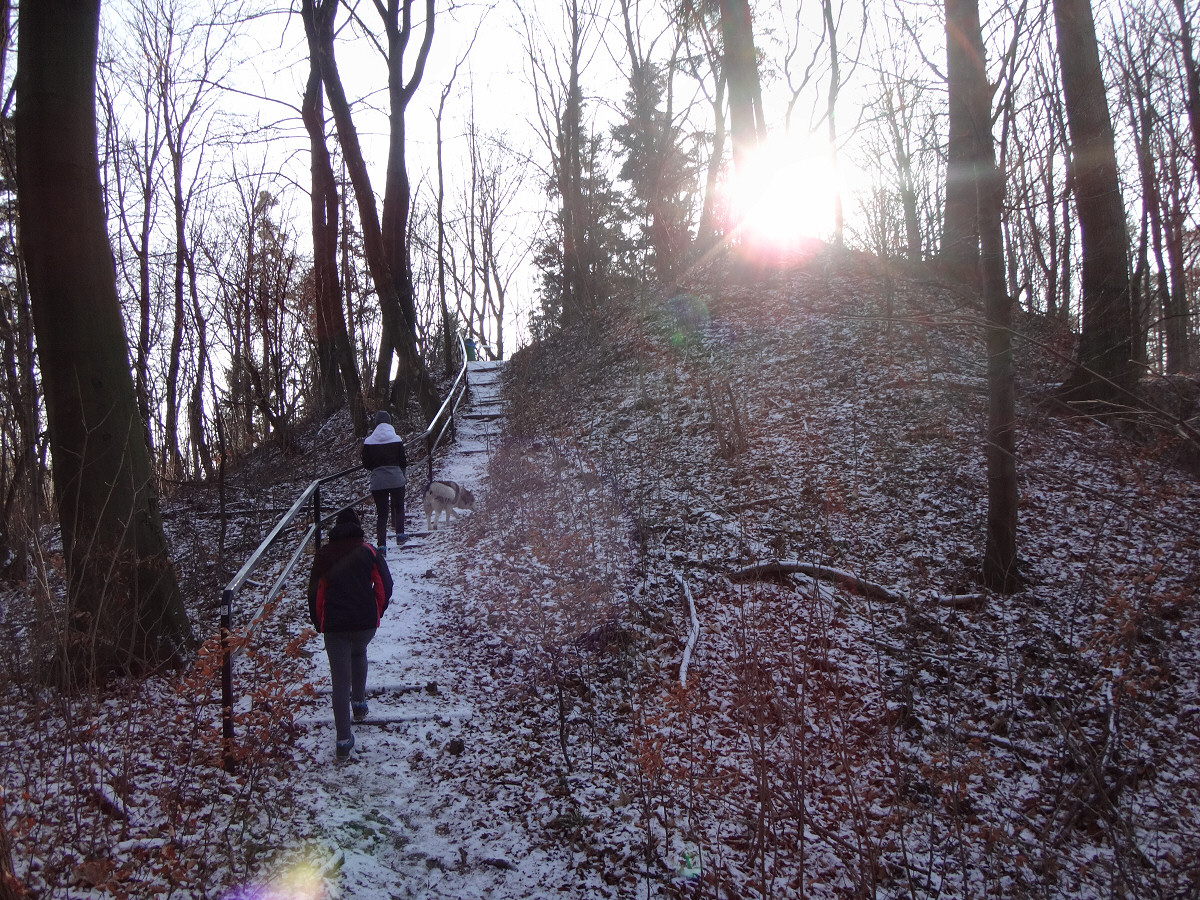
693 630
776 568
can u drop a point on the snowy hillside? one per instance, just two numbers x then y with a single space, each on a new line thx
918 740
712 630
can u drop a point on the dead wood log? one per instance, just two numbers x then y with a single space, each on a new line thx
968 602
849 581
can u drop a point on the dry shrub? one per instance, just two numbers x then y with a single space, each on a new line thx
553 528
120 789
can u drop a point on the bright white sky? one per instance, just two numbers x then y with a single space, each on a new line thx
795 197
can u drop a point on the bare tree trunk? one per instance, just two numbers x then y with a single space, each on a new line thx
747 125
1000 550
960 234
323 195
576 304
335 357
412 370
447 322
22 496
126 611
898 123
142 160
202 457
835 86
172 460
397 193
1192 78
1152 230
1103 370
1175 306
706 231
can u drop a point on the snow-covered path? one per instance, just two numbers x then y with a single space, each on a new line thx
387 824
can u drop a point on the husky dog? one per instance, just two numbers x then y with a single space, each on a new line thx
445 497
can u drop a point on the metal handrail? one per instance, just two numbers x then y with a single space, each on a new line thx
457 393
312 492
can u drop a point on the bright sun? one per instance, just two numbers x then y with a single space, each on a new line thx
785 196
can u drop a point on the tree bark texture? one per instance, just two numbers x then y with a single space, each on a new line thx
1175 303
126 614
336 369
960 236
975 97
397 190
1103 370
747 126
412 369
1192 75
577 300
898 123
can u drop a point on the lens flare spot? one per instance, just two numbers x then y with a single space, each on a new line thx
301 881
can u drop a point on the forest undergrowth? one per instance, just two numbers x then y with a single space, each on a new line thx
824 738
125 789
721 596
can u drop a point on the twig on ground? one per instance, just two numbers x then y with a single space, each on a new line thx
693 630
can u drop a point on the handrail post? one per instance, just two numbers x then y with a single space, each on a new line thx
227 761
317 514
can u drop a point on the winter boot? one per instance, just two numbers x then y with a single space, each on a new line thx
360 710
344 748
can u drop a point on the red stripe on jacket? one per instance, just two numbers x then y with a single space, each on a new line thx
381 600
321 605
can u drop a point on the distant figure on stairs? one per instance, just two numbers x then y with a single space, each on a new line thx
383 454
349 589
477 351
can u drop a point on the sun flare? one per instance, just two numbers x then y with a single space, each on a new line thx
299 881
785 195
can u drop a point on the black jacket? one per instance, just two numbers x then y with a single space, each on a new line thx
350 584
376 455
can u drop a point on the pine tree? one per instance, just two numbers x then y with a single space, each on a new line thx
659 171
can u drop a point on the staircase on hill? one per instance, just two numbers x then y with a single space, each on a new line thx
476 430
484 420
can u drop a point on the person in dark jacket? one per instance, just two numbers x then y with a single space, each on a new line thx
348 591
383 454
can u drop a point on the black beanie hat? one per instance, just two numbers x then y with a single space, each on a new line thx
383 418
348 516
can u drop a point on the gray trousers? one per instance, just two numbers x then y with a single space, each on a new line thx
347 652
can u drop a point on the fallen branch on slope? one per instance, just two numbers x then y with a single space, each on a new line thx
693 631
778 568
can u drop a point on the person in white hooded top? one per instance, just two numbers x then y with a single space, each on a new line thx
383 454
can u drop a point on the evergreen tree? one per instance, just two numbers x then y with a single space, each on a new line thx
599 261
659 171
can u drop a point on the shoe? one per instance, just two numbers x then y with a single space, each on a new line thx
344 748
360 710
381 550
401 538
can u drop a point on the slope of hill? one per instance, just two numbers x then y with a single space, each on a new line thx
717 623
702 717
